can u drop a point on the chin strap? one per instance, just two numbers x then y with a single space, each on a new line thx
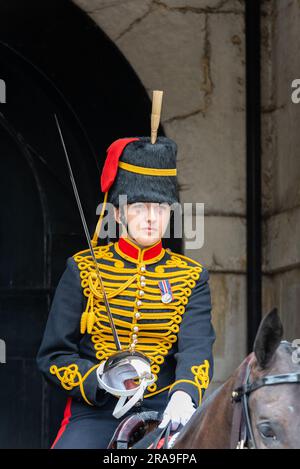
136 393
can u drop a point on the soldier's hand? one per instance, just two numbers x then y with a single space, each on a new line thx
179 410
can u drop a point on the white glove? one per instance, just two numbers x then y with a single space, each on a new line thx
180 408
121 381
116 376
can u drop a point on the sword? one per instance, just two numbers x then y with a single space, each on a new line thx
87 234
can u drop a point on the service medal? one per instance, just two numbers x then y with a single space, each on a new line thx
166 298
166 291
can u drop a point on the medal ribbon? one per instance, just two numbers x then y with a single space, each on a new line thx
165 287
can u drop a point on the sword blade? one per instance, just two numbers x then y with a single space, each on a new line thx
87 234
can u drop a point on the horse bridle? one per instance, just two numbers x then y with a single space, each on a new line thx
241 394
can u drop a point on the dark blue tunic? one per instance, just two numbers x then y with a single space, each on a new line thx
177 336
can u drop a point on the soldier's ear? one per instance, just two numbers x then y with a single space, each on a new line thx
117 215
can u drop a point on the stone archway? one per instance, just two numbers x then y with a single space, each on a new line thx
52 59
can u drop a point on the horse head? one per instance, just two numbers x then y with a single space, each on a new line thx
274 404
258 406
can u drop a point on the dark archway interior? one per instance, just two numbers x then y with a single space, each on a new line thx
53 59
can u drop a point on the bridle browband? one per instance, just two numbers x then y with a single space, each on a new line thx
242 429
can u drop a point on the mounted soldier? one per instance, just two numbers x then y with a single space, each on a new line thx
129 329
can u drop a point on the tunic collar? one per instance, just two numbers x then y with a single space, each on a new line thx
132 252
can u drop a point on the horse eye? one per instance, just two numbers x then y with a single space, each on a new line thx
266 430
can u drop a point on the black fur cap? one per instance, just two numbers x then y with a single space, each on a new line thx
143 188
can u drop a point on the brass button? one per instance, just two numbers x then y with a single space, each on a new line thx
135 328
143 284
142 268
143 278
139 302
134 336
137 315
141 293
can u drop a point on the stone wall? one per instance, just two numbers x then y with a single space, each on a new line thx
281 161
194 50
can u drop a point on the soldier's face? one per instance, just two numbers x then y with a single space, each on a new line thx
146 221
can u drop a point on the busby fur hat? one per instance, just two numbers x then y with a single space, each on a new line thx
144 187
142 168
145 172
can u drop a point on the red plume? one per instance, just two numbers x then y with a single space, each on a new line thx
110 168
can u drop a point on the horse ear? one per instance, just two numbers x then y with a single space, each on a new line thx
268 337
